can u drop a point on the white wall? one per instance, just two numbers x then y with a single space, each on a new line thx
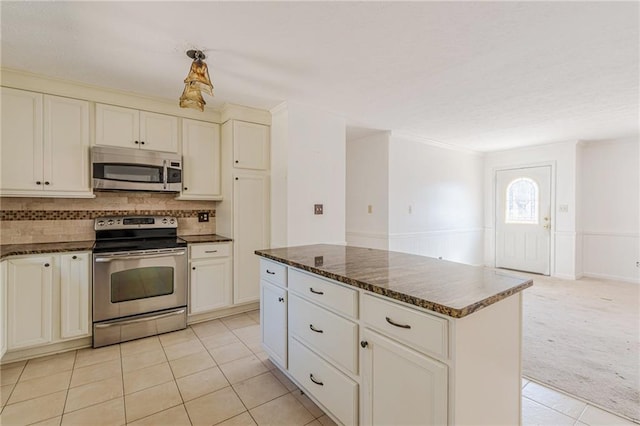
368 185
610 207
562 158
435 201
308 167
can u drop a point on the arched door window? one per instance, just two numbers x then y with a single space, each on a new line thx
522 201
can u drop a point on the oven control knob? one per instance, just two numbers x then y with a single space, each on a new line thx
164 221
172 221
110 222
101 223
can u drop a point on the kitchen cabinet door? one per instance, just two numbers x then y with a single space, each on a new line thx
22 149
250 146
3 308
210 285
250 233
29 301
273 321
66 145
158 132
75 295
117 126
400 385
201 160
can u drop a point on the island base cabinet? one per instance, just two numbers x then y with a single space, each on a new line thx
335 391
401 386
273 321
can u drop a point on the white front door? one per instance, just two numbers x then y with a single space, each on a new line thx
523 219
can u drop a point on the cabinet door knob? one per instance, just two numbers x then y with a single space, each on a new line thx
280 299
74 257
193 267
46 182
364 343
236 178
141 142
136 142
237 161
38 183
46 265
185 188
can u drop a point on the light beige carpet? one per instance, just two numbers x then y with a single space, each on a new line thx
582 337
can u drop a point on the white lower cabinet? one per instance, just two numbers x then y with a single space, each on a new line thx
401 386
210 277
48 299
30 301
328 385
75 294
273 321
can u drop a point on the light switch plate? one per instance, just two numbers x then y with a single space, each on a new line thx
563 208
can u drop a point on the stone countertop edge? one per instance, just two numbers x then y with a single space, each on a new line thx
205 238
406 298
9 250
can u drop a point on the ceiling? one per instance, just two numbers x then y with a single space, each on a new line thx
478 75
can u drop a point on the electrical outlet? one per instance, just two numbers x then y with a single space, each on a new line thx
203 217
317 209
563 208
318 260
637 264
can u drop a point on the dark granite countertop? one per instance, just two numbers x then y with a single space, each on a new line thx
7 250
449 288
206 238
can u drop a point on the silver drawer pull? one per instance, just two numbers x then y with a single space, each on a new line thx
315 381
390 321
315 291
315 329
211 251
270 273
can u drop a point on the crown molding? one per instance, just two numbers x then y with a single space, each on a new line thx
431 142
23 80
244 113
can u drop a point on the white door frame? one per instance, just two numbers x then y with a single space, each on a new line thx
552 240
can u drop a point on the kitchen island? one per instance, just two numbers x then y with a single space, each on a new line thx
378 337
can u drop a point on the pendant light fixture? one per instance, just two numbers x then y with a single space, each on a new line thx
197 81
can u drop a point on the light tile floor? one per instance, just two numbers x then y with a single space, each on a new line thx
211 373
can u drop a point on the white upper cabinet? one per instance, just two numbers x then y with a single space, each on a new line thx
201 160
130 128
45 145
250 145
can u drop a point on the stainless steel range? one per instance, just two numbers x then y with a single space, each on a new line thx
139 278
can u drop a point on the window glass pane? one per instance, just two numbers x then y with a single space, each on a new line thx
522 201
141 283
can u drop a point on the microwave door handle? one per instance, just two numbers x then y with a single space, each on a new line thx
105 259
164 173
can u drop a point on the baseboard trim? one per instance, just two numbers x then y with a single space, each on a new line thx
610 277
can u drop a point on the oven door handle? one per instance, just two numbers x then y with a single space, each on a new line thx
106 259
138 320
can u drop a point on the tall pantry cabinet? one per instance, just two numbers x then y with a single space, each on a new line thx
243 213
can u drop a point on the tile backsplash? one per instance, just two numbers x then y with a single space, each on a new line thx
43 220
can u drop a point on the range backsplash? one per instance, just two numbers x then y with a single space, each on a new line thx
43 220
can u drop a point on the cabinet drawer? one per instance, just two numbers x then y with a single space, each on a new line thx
204 251
331 388
422 331
335 337
332 295
273 272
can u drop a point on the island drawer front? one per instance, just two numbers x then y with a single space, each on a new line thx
422 331
335 337
273 272
338 393
325 293
205 251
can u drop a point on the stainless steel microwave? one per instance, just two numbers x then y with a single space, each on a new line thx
127 169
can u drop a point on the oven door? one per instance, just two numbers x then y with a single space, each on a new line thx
132 283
